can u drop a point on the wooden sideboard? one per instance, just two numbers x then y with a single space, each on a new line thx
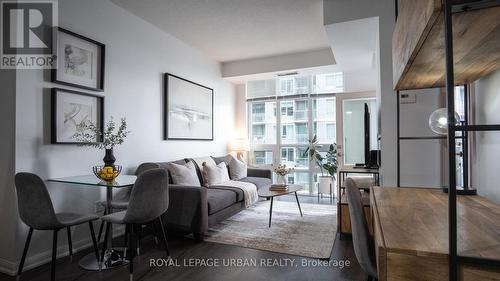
410 228
418 44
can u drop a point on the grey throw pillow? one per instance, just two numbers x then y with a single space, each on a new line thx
183 174
214 174
237 169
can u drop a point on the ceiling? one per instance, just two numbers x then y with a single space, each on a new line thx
231 30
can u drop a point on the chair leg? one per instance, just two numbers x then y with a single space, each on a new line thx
132 240
70 244
104 244
25 251
139 237
125 240
153 229
94 242
54 255
101 227
164 235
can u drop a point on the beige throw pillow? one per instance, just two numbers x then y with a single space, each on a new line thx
214 174
183 174
237 169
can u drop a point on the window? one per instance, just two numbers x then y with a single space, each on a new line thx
283 140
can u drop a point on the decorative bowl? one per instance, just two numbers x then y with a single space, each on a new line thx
107 173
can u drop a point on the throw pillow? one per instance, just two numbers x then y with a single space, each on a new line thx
183 174
214 174
237 169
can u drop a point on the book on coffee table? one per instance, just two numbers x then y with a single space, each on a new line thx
278 187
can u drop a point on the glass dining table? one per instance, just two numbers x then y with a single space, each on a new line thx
113 257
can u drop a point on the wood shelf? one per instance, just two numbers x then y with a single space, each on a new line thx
418 45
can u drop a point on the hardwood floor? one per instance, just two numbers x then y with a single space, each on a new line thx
184 249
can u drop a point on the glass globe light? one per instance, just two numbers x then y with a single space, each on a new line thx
438 121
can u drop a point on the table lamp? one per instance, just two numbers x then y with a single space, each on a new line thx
240 146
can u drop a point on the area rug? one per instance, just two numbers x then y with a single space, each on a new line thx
311 236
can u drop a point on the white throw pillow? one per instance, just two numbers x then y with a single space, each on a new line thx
183 174
237 169
214 174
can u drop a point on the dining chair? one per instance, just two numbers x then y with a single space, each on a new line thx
148 202
36 211
363 244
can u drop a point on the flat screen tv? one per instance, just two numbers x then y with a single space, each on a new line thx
367 136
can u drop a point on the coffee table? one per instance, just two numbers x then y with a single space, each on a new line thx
270 194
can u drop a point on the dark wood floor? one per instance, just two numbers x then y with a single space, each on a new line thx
183 249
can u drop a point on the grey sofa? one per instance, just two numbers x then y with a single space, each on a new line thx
194 209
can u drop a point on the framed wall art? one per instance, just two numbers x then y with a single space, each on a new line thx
80 61
189 110
69 110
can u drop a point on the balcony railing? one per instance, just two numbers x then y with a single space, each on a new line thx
302 138
300 115
258 117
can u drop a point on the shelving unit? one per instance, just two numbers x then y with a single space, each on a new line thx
424 57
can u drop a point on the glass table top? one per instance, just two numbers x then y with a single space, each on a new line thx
120 181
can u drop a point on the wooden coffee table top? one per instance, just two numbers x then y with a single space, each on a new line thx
265 192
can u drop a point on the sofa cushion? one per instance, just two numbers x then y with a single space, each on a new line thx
226 159
164 165
259 182
237 169
219 199
184 174
214 174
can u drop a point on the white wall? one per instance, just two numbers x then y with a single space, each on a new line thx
137 54
485 147
8 216
336 11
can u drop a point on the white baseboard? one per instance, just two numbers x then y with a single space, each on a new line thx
10 267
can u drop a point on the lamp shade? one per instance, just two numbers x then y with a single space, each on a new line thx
240 145
438 121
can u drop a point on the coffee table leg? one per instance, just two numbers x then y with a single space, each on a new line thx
297 198
271 211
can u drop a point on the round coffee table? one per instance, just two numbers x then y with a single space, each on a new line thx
266 193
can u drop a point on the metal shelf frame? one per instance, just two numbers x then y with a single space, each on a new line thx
450 7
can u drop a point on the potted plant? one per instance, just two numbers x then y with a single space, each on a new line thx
89 132
327 163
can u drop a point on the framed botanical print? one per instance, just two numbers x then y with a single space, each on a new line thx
189 110
80 61
70 110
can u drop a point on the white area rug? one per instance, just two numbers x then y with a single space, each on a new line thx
311 236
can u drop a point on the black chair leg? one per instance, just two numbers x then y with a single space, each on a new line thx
94 242
70 244
132 240
138 234
164 235
54 255
126 241
101 227
25 252
155 233
104 245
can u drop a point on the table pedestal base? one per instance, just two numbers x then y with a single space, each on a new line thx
113 258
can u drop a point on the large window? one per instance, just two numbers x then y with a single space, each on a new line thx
306 108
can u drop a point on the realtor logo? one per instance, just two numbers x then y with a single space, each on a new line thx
27 34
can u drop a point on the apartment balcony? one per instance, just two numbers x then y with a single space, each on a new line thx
258 117
302 138
300 115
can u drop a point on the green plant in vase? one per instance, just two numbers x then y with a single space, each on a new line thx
112 135
327 164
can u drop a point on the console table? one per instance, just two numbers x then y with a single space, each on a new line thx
342 198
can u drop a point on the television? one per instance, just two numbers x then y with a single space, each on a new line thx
366 124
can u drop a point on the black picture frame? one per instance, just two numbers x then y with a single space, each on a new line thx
53 114
101 61
166 134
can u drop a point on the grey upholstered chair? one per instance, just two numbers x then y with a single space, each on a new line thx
363 243
36 211
122 203
148 202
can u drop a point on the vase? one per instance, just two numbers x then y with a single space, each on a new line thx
325 184
282 180
109 159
